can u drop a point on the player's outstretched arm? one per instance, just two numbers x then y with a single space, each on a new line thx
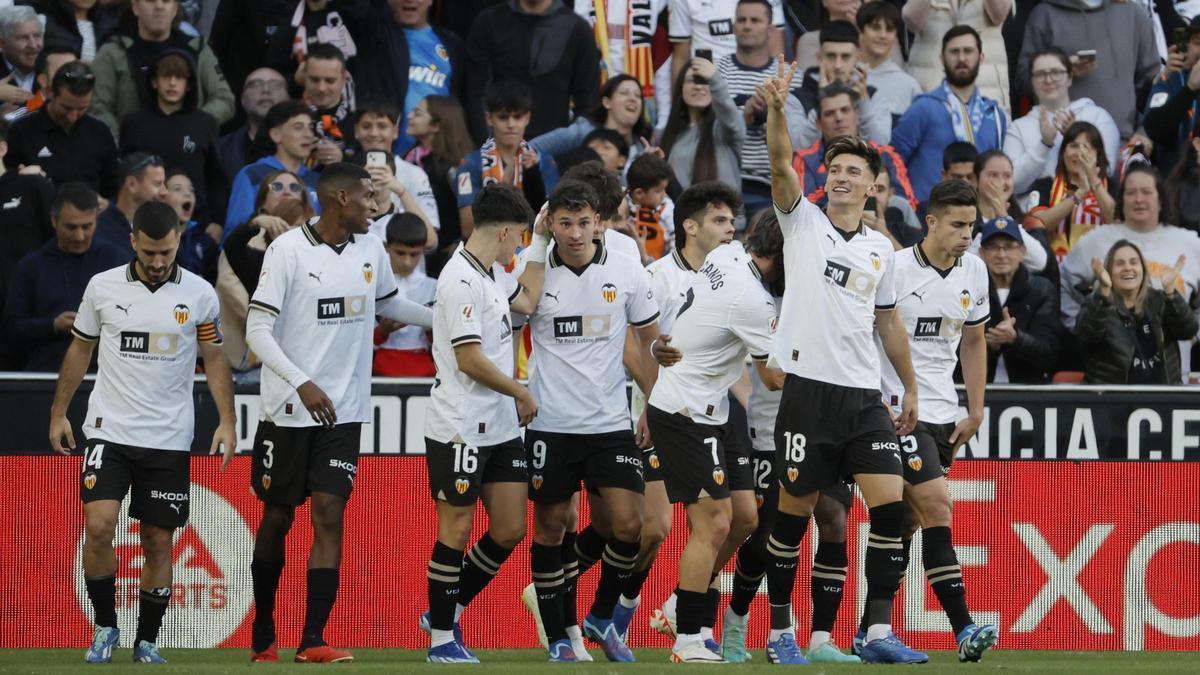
785 184
895 345
74 366
405 311
472 362
220 385
973 357
534 276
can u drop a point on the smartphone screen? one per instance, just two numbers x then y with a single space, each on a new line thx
870 205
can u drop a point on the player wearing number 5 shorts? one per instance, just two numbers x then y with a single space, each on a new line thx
583 430
832 423
727 314
942 297
472 427
149 318
311 324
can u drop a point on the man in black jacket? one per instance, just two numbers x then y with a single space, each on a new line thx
541 44
1023 332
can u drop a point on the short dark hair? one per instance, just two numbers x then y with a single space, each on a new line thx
377 105
406 229
839 31
693 203
76 77
155 219
328 52
1056 52
609 136
857 146
50 49
870 12
1166 209
950 193
173 63
576 156
958 152
573 194
500 204
834 89
959 31
646 171
764 237
135 164
761 3
606 184
283 111
78 195
507 96
340 176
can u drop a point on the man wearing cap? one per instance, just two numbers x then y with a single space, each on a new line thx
1172 104
1022 332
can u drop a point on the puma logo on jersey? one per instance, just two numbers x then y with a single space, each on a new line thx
554 296
920 296
831 239
124 309
316 276
176 507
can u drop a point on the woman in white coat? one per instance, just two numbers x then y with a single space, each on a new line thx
930 19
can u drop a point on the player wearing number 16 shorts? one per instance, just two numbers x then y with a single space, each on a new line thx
832 423
472 427
149 318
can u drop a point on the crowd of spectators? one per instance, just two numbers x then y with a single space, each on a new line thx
1074 119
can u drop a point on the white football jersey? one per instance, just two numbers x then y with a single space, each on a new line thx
762 408
147 362
727 313
670 278
423 291
709 23
324 298
471 306
834 285
578 332
935 306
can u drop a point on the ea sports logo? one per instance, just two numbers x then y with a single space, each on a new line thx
207 601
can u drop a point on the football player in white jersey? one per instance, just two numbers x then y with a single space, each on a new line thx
583 430
832 423
942 296
311 323
727 314
473 442
149 318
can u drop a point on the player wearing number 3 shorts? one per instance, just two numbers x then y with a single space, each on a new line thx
149 318
942 297
832 423
472 428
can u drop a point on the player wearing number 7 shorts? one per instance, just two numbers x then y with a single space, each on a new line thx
149 318
472 428
942 297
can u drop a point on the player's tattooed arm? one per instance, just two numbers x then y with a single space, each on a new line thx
74 366
895 345
785 184
472 362
973 356
220 385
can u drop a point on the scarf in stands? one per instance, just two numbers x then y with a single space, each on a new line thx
1084 216
492 166
336 35
639 61
652 229
966 126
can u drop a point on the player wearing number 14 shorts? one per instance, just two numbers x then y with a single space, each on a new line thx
149 318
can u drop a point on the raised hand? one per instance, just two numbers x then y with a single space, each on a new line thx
1171 276
1103 280
775 90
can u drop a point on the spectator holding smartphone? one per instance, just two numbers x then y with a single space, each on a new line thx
705 131
1172 105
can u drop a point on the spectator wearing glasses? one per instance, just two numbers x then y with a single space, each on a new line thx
48 284
143 179
290 125
20 44
249 143
185 137
65 141
1034 140
123 65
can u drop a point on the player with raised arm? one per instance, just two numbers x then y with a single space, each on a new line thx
472 428
149 317
832 423
942 297
311 323
726 314
583 431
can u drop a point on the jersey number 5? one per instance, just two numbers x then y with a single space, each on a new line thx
794 446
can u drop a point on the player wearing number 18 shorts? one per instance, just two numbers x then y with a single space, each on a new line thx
149 318
942 297
472 428
832 424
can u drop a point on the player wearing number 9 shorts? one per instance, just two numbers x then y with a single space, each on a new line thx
728 314
149 319
472 428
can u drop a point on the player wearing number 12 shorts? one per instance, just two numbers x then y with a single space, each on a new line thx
149 318
472 429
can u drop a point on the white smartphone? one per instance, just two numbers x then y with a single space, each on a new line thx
1086 54
377 158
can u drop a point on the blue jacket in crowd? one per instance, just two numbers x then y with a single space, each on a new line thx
245 189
